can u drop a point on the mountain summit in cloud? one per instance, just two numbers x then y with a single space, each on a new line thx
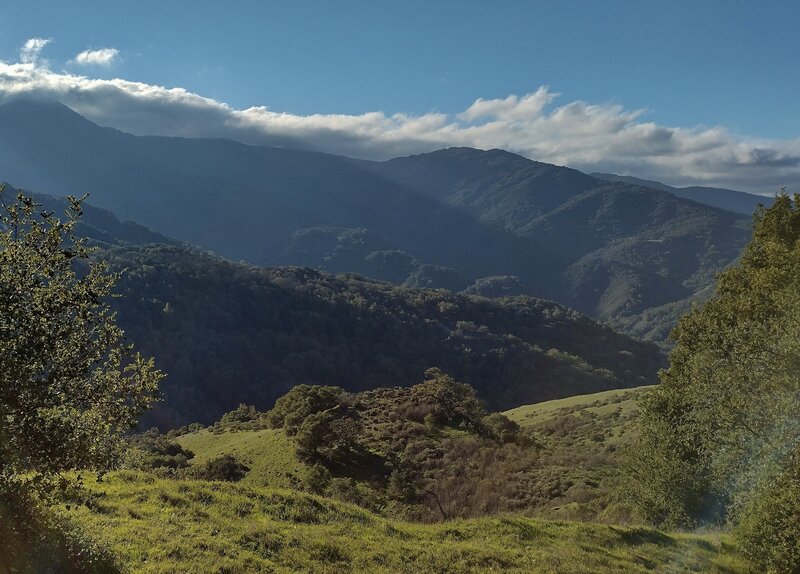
592 137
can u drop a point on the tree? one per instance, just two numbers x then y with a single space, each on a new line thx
721 431
292 409
449 401
69 383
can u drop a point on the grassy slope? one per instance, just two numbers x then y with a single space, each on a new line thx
575 477
602 404
159 526
582 439
269 453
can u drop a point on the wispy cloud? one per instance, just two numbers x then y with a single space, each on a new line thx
588 136
29 53
101 57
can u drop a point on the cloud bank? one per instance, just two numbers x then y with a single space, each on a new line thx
590 137
102 57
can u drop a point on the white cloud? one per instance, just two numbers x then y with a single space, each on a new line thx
102 57
29 53
591 137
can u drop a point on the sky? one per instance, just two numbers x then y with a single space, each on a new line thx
687 92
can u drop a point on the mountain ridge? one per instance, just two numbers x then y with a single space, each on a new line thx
450 218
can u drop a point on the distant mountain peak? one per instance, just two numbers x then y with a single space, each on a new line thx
30 104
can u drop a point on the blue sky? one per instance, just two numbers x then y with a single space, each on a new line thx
692 65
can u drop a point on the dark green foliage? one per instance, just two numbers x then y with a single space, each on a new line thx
241 414
769 525
446 402
225 467
720 431
330 437
69 383
228 334
500 428
243 417
427 452
34 540
153 451
292 409
318 479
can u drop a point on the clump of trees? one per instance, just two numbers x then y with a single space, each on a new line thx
429 451
69 382
721 436
153 451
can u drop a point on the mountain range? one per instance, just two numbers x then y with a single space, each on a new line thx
732 200
488 222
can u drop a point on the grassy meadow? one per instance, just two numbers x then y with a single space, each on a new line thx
166 526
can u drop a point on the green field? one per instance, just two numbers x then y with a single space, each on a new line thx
168 526
602 404
269 453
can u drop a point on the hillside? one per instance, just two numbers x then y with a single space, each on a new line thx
617 403
269 454
100 226
159 526
617 251
563 461
227 333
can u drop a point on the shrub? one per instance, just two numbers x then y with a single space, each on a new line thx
225 467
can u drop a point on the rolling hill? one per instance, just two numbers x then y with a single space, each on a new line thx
160 526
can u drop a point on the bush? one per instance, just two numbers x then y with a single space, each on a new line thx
243 417
318 479
500 428
225 467
34 539
449 402
153 451
329 439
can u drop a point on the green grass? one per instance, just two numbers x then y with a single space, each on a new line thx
602 404
269 453
582 441
161 526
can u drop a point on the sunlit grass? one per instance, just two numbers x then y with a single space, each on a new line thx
160 526
269 453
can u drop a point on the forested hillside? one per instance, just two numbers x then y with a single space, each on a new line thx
227 333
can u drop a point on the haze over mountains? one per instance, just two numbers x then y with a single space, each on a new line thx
488 221
736 201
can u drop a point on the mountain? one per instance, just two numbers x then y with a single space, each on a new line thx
458 218
627 254
227 333
732 200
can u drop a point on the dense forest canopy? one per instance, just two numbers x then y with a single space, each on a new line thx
227 333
